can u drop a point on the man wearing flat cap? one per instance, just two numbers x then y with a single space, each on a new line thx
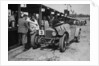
23 30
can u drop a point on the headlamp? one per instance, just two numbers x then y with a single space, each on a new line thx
54 33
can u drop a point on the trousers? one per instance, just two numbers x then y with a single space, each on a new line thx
23 38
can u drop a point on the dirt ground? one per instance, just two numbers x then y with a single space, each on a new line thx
75 52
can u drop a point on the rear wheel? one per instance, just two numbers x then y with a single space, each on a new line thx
63 43
77 38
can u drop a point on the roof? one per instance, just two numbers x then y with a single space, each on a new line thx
56 7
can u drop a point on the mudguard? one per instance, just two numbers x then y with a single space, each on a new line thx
77 31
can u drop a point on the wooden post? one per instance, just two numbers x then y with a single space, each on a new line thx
19 11
40 16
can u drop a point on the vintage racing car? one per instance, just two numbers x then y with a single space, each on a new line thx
61 34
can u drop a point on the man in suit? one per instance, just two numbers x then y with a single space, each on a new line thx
23 30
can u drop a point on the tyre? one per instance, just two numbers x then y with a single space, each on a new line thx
77 38
63 43
33 41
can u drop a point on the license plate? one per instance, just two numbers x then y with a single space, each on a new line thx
41 32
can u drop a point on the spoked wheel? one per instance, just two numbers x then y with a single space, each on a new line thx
34 39
63 43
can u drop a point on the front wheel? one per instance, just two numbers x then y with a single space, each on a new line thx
33 41
63 43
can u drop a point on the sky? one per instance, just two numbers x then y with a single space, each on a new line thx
81 8
78 8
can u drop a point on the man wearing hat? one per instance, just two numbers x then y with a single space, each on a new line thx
23 29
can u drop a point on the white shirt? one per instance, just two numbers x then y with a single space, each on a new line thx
33 24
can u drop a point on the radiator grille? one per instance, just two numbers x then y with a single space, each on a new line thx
48 33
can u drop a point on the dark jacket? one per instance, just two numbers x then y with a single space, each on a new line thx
23 26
